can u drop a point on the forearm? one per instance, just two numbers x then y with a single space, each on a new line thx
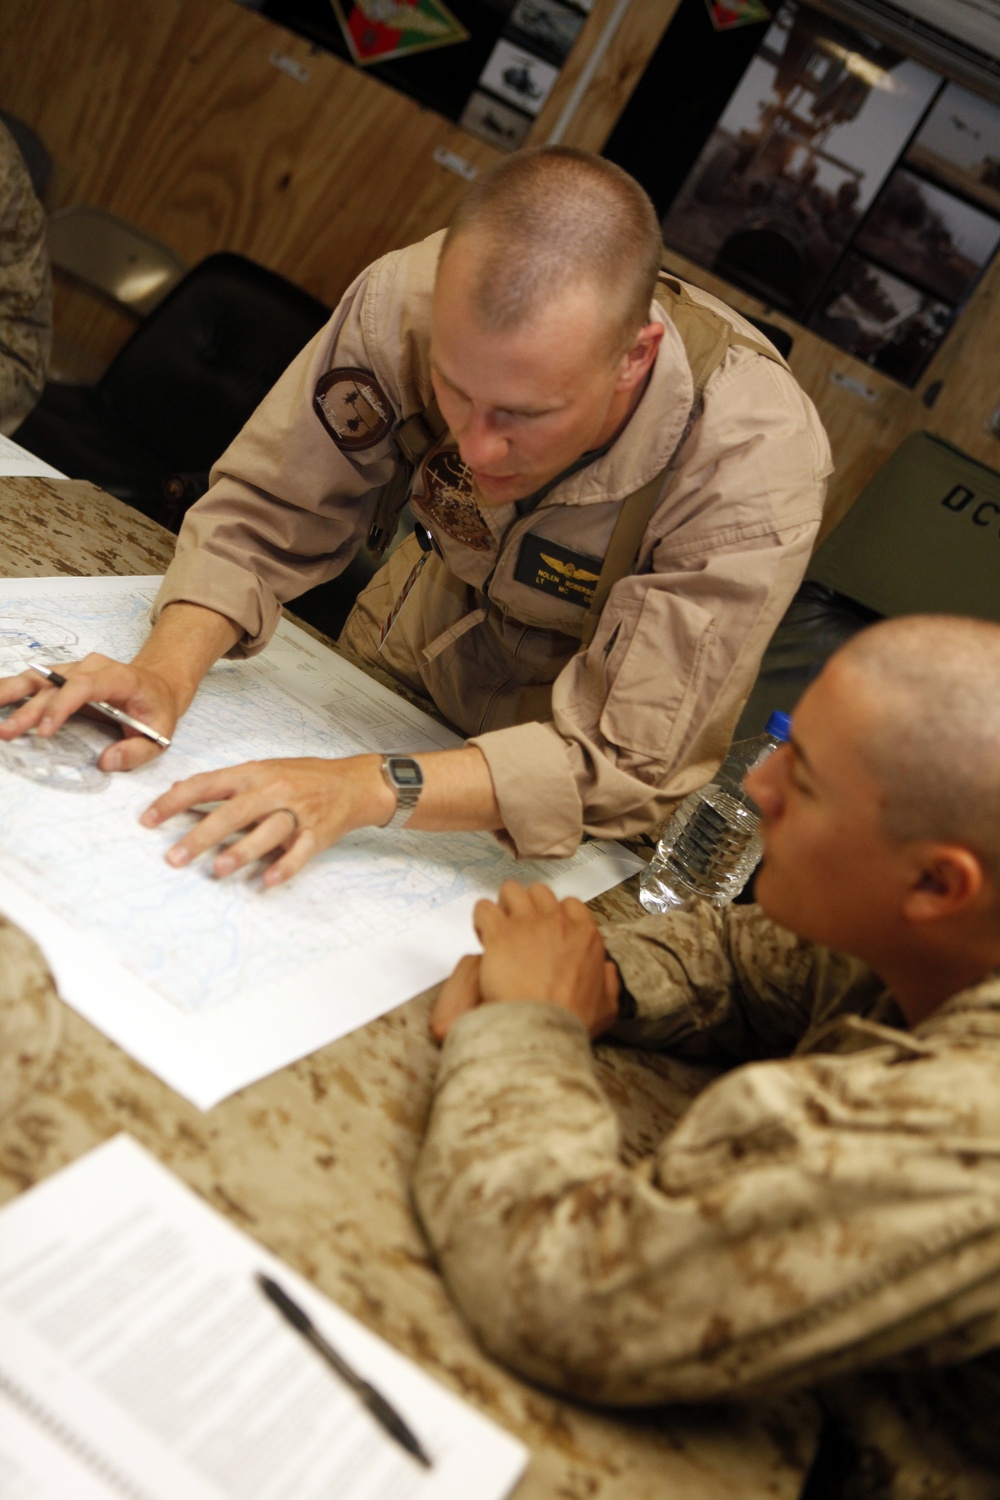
572 1269
183 644
458 794
729 985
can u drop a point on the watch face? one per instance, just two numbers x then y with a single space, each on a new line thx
405 773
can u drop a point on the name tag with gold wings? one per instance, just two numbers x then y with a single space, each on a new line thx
557 570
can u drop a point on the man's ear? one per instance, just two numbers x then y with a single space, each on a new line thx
638 358
948 879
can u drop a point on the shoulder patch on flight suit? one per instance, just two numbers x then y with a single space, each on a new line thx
448 499
353 408
545 565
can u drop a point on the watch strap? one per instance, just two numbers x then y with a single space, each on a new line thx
407 794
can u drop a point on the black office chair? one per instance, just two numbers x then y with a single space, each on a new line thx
180 389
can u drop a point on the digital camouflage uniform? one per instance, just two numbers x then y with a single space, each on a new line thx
25 291
829 1209
598 739
29 1015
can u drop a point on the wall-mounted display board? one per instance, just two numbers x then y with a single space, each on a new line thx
488 64
849 186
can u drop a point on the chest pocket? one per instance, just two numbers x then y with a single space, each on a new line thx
549 566
557 570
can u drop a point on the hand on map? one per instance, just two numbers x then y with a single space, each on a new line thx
298 806
535 947
140 692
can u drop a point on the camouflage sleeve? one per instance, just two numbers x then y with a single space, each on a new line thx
25 290
729 984
807 1218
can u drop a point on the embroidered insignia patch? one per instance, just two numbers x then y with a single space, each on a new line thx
353 408
447 498
544 564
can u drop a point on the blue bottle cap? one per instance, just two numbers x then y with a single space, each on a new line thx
779 725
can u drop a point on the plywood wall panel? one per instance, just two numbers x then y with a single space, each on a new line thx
209 146
78 70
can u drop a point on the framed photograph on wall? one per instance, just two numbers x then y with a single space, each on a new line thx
832 177
817 123
891 324
929 236
959 146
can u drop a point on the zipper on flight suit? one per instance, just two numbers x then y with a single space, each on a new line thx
490 604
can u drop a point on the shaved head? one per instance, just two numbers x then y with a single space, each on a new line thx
547 219
933 743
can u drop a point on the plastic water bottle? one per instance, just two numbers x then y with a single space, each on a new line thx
712 843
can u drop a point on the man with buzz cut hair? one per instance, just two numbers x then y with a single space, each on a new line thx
592 223
617 483
825 1214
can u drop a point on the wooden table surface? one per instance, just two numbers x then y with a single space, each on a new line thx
315 1161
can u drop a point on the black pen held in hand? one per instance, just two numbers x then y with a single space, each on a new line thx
118 714
387 1416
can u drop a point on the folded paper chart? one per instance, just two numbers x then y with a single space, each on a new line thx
214 983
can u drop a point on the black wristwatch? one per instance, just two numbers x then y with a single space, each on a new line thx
404 775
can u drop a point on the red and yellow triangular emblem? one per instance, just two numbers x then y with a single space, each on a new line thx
378 30
727 14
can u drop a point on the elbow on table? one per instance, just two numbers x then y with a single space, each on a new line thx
598 1339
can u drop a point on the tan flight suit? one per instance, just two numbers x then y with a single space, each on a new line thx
25 290
599 739
830 1209
29 1016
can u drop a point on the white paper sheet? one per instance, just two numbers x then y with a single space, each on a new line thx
17 460
138 1358
210 983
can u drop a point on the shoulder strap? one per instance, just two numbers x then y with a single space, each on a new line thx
708 337
418 434
415 437
706 333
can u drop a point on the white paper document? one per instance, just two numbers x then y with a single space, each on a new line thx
139 1359
17 460
214 983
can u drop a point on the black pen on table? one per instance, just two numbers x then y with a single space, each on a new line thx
387 1416
118 714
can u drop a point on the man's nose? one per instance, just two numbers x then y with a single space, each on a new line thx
479 442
